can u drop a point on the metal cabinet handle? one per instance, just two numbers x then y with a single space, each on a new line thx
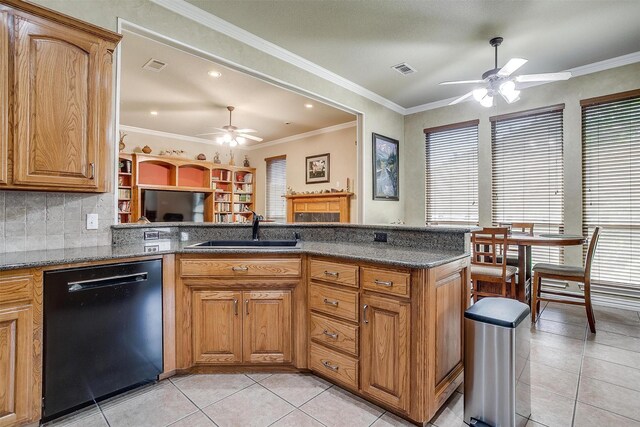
246 306
235 307
364 313
327 364
331 302
236 268
330 334
383 283
331 273
92 166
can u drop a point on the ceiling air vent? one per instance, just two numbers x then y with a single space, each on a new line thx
154 65
404 68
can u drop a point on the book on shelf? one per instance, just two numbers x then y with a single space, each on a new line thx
223 218
124 193
223 207
244 177
221 175
124 207
125 166
242 198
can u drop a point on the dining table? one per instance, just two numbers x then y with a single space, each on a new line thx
525 242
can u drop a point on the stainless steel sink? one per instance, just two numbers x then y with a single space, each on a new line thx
213 244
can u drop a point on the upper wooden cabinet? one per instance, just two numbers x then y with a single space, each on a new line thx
61 116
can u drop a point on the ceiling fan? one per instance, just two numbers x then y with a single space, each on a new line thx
231 134
501 80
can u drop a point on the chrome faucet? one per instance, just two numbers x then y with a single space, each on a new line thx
256 225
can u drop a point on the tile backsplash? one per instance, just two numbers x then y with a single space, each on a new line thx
31 220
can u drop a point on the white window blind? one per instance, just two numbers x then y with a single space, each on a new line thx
611 186
527 176
276 188
451 174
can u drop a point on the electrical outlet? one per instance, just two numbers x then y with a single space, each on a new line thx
92 221
151 235
379 237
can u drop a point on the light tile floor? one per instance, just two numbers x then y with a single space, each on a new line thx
577 379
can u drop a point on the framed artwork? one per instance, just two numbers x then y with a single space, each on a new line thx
317 168
386 168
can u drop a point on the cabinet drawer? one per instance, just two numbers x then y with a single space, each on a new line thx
16 288
341 274
343 369
338 302
334 334
386 281
277 267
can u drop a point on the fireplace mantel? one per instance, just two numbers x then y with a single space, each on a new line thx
321 207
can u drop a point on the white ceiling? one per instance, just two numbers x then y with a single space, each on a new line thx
442 39
190 102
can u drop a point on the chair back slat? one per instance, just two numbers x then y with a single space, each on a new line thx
489 247
523 227
591 252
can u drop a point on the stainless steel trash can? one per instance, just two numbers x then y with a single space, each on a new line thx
496 355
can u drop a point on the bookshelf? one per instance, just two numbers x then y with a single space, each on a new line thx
125 187
234 193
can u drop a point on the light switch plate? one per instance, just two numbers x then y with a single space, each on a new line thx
92 221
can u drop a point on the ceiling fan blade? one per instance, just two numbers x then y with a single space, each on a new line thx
462 98
544 77
511 66
210 133
252 137
462 82
246 130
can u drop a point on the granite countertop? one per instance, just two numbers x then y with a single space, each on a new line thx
377 253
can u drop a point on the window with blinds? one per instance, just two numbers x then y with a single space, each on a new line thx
276 207
611 186
527 177
451 174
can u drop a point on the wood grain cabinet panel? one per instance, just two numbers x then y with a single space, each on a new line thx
342 303
334 272
336 366
16 341
217 327
335 334
267 326
62 110
386 281
449 307
385 350
4 94
233 267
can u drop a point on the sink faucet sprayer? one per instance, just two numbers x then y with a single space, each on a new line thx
256 225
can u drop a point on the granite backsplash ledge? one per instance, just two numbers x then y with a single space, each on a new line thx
449 238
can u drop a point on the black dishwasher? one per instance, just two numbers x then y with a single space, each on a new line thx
102 332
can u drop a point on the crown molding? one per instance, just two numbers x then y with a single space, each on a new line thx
291 138
169 135
217 24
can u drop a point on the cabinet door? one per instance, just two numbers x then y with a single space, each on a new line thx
384 350
217 327
58 116
267 327
16 336
4 93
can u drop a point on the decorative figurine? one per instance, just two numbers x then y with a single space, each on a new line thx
201 156
121 145
216 158
146 149
246 162
231 161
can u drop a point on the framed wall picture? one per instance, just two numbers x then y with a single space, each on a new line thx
317 168
386 168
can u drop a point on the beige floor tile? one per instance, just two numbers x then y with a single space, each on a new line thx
560 328
258 376
611 372
88 417
531 423
615 340
560 343
194 420
550 356
391 420
555 380
162 405
618 328
128 395
521 363
616 315
297 418
610 397
612 354
549 408
203 390
254 406
337 407
587 415
565 314
296 388
451 414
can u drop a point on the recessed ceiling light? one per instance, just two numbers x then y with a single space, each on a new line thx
308 105
153 113
214 73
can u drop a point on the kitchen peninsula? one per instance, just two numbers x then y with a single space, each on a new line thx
380 319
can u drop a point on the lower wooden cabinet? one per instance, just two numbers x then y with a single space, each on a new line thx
385 350
231 327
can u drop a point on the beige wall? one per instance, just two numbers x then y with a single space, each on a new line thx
340 144
377 118
569 92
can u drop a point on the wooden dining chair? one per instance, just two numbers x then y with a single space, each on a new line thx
490 274
520 227
568 273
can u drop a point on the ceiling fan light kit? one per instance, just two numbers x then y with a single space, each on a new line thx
230 134
500 80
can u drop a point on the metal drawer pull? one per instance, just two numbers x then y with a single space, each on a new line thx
331 273
235 268
92 166
327 364
364 313
330 334
331 302
383 283
235 307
